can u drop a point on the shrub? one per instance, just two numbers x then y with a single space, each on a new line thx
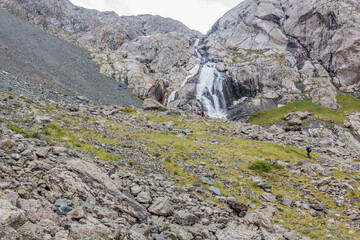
260 165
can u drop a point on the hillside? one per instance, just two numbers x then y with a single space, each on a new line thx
78 171
81 159
147 53
38 57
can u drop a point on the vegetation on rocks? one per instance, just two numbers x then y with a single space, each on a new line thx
273 116
187 148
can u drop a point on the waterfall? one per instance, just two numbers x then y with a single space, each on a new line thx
209 90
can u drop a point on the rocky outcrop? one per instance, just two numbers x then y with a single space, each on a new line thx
150 25
279 51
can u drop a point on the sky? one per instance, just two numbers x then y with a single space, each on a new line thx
196 14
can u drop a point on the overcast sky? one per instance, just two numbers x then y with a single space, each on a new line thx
196 14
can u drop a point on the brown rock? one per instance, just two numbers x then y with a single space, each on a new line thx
240 208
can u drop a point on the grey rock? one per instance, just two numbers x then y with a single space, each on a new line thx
262 218
150 104
237 233
161 207
269 197
62 207
144 197
207 180
215 190
185 218
287 201
135 190
156 236
81 177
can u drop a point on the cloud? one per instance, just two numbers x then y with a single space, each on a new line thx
227 3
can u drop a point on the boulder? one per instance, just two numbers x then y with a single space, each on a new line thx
152 105
80 177
238 232
185 218
161 207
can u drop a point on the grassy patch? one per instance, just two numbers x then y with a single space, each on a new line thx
128 110
17 129
273 116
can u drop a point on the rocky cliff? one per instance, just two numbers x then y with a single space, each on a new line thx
279 51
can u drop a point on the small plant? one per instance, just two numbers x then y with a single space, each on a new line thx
157 154
356 160
260 165
176 172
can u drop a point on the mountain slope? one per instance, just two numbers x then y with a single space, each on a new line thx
104 33
151 24
38 57
81 172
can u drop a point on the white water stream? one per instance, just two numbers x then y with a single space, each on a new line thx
209 90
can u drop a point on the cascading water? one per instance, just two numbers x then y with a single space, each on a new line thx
209 90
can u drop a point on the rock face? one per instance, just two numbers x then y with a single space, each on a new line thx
150 25
279 51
